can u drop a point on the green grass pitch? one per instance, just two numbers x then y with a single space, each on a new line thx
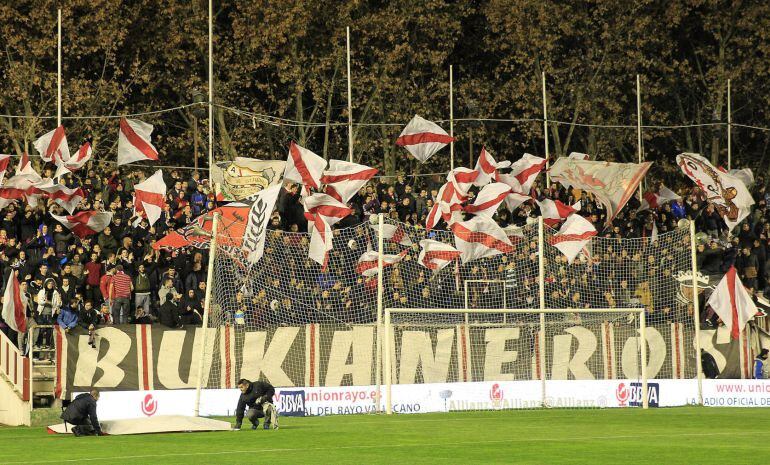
687 435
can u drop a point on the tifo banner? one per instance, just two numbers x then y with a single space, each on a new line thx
244 177
144 357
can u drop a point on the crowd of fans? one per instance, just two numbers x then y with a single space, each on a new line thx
118 277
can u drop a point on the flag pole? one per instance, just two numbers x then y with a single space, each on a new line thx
58 69
451 121
211 92
729 129
545 135
350 99
640 149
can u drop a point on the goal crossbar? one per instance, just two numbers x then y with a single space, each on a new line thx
388 349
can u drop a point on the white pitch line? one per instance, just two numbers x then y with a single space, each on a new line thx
388 446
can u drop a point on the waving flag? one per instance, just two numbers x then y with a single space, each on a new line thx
394 233
52 146
24 166
304 167
462 179
526 170
573 236
256 226
329 208
85 223
321 239
135 142
344 179
447 206
435 255
579 156
367 264
656 200
75 163
20 187
423 138
480 237
554 211
612 184
514 200
150 197
5 160
489 199
14 305
67 198
726 192
487 168
733 303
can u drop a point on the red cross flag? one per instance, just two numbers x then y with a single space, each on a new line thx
135 142
423 138
573 236
435 255
480 237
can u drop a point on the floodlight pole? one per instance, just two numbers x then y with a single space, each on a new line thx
643 349
206 311
541 291
380 293
211 92
640 149
58 69
350 100
545 135
729 128
451 120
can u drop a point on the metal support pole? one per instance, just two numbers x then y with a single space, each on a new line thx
206 311
729 128
388 365
545 135
541 291
696 312
643 349
380 293
58 69
640 149
465 286
350 99
211 88
451 120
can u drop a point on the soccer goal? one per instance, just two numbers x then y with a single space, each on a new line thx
460 359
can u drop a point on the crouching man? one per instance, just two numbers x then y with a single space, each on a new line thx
81 413
258 396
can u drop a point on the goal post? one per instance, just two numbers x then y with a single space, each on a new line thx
482 348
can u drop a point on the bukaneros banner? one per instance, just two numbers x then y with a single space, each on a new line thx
244 177
146 357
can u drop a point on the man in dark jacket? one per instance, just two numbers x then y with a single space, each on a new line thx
81 413
258 396
168 314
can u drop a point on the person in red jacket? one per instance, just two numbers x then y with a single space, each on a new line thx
93 274
104 284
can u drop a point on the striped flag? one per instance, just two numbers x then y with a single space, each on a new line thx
150 197
489 199
15 305
304 167
135 142
526 170
733 303
480 237
368 263
344 179
85 223
65 197
573 236
554 211
52 146
435 255
5 160
487 168
394 233
423 138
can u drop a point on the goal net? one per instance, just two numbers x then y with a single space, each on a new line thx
459 359
320 331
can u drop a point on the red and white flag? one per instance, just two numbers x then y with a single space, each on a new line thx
52 146
462 179
656 200
344 179
394 233
321 239
579 156
5 160
75 163
368 263
514 200
14 305
85 223
326 206
304 167
423 138
554 211
480 237
733 303
150 197
24 166
20 187
447 206
573 236
435 255
487 168
526 170
67 198
135 142
489 199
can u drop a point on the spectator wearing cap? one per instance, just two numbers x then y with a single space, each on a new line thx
119 294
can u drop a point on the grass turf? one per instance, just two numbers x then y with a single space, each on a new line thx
687 435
